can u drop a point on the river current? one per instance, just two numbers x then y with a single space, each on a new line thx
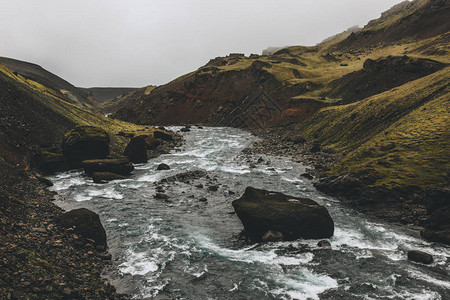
189 247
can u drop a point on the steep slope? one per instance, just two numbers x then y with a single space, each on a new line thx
293 83
405 22
47 82
38 257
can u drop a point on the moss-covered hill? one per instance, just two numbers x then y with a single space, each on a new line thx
379 97
300 80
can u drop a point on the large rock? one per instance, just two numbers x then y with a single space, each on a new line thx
261 211
136 150
420 256
85 142
121 166
162 135
86 223
104 177
49 162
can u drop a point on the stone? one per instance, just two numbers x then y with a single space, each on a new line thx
272 236
86 223
420 256
162 167
136 150
120 166
261 211
83 143
104 177
161 196
307 176
162 136
49 162
298 140
185 129
324 244
203 199
213 188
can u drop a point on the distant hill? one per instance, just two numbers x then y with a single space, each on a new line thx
42 79
103 94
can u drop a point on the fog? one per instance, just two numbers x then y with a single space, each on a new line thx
141 42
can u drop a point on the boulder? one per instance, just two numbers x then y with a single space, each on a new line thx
121 166
162 136
104 177
85 142
162 166
261 211
136 150
185 129
420 256
49 162
86 223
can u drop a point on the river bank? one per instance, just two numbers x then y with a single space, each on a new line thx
40 258
407 205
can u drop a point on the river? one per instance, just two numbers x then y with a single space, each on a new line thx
189 247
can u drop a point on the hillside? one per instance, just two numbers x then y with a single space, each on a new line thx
37 256
47 82
103 94
377 97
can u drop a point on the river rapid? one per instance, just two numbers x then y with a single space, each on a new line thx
185 247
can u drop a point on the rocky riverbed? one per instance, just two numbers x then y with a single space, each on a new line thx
173 232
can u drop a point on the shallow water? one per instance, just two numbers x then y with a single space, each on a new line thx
187 249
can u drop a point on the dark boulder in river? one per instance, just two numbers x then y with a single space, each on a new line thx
86 223
121 166
104 177
163 136
136 150
420 256
261 211
85 142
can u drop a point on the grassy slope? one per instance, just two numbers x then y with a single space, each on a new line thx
413 117
74 113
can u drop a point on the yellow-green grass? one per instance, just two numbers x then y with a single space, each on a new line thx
414 118
79 115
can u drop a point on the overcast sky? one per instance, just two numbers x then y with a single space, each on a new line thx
142 42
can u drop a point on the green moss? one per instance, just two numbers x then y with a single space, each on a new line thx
401 135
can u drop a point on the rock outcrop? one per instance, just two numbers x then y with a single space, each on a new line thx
85 142
261 211
420 256
86 223
121 166
49 162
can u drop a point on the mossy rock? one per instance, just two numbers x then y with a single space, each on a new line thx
120 166
136 150
85 142
49 162
261 211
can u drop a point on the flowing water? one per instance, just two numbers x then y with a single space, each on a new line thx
185 248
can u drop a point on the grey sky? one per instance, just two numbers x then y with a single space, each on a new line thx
138 42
